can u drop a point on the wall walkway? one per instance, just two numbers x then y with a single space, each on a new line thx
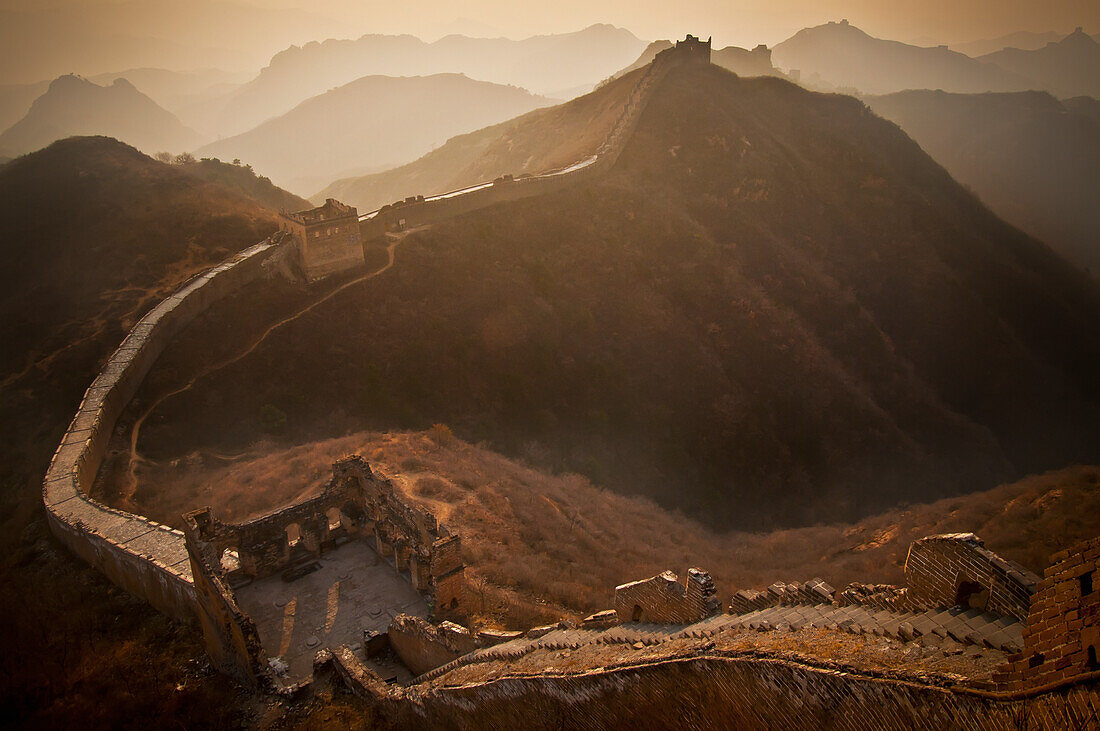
142 556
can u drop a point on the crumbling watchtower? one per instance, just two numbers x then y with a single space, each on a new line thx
328 238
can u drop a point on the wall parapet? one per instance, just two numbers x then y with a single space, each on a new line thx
144 557
664 599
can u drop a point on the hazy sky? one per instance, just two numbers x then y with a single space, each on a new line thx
43 38
739 22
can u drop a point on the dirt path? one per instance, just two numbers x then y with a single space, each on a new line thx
127 491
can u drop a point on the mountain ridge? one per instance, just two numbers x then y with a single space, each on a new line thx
370 123
75 106
842 56
1067 68
1030 157
774 309
540 64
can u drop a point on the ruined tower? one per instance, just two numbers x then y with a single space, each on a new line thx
328 238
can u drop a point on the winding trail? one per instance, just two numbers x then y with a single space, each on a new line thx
135 457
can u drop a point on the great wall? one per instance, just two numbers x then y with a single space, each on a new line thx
666 652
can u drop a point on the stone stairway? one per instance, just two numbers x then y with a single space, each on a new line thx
938 626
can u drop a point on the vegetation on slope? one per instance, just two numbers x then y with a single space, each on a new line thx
96 233
243 179
776 311
538 546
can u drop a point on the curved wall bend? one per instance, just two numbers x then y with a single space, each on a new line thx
140 555
146 558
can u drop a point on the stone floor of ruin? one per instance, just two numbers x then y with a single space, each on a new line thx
354 590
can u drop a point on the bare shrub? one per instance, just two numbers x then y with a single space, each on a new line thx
442 435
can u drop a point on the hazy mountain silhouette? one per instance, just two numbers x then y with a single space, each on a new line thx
1025 40
1070 67
16 100
775 309
75 106
1032 159
176 91
371 123
543 64
542 140
845 57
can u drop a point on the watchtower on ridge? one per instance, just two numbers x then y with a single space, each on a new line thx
328 238
693 49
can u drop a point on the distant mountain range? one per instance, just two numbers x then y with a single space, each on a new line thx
42 40
1070 67
542 140
842 56
370 124
1029 157
1025 40
73 105
176 91
549 65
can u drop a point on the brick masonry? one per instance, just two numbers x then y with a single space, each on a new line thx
958 570
1062 638
664 599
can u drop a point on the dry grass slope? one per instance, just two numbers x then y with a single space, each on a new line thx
540 546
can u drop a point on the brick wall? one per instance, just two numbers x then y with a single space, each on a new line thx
423 646
957 569
663 599
1062 637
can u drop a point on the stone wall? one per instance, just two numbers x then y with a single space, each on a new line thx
355 504
713 691
230 636
957 569
423 646
1062 638
663 599
140 555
